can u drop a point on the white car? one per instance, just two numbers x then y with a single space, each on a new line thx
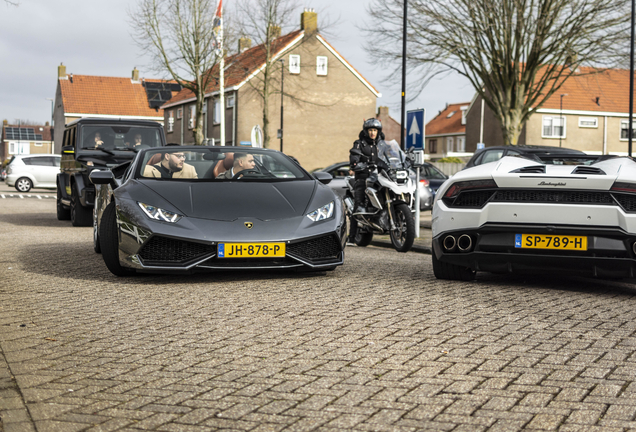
36 170
517 214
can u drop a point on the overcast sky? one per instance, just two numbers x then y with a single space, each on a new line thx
93 37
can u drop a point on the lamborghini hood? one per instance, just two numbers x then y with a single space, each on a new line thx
228 201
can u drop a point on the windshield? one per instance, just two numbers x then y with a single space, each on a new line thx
218 164
120 137
392 154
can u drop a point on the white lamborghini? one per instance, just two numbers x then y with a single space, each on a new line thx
519 215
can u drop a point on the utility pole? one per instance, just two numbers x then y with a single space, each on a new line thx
51 127
403 112
631 86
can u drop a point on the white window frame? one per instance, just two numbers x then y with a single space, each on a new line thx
217 111
450 142
230 101
588 119
322 65
192 109
620 133
171 121
38 143
552 127
294 64
179 113
464 111
461 144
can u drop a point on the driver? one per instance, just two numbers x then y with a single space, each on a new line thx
242 162
172 165
367 143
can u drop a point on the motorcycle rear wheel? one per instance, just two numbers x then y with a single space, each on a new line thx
403 236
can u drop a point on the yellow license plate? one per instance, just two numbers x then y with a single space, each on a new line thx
251 250
560 242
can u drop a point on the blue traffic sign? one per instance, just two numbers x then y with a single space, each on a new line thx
415 129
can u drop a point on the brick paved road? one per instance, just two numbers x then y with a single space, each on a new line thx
83 350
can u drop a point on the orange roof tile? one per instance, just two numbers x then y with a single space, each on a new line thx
86 94
448 121
611 87
238 67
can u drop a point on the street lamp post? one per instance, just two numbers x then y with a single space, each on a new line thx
52 141
403 110
561 119
630 126
282 70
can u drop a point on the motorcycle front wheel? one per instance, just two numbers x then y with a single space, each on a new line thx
403 235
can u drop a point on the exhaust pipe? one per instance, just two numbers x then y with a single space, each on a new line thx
634 247
464 243
449 243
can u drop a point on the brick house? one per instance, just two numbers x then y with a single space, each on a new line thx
390 126
445 135
80 96
321 121
25 139
588 113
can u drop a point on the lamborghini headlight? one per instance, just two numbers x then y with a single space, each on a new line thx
324 212
159 214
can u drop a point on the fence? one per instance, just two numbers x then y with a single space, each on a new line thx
449 168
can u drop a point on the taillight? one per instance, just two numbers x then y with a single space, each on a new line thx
425 182
624 187
457 188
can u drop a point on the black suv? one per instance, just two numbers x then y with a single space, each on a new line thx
90 144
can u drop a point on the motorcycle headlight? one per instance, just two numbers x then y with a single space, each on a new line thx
401 175
324 212
159 214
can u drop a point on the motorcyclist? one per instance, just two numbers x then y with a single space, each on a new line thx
367 143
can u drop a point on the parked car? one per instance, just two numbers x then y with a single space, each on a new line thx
37 170
547 154
276 216
91 143
518 214
340 173
433 175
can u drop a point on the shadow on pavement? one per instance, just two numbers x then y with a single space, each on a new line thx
34 219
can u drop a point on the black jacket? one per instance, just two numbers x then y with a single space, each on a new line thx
369 149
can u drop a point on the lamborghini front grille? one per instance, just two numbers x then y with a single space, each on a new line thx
166 250
320 248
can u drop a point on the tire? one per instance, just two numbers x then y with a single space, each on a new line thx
96 246
403 237
80 215
62 212
363 239
448 271
109 242
24 184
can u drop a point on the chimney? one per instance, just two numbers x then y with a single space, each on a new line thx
309 21
61 72
383 111
5 122
245 43
47 124
135 75
274 32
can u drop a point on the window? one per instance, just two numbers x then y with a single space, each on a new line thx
38 143
294 64
625 131
588 122
553 127
180 113
170 121
321 65
449 144
217 111
464 109
192 117
432 146
491 156
230 101
461 144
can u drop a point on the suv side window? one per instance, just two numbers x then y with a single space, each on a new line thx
27 161
40 161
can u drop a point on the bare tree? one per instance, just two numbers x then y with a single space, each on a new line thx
263 21
179 36
516 53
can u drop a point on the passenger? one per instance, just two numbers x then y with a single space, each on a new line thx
137 142
172 165
98 140
242 162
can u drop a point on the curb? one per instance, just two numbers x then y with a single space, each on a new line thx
22 196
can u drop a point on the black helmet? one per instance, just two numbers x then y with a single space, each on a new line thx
372 123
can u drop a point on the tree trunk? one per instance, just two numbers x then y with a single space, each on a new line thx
511 126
